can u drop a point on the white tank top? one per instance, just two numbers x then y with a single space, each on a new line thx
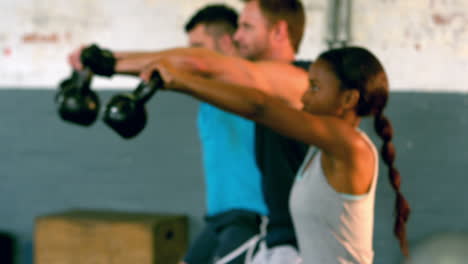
331 227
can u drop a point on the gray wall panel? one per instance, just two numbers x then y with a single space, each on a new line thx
49 165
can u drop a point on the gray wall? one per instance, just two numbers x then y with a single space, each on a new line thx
49 165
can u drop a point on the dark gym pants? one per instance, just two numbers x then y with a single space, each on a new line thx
223 234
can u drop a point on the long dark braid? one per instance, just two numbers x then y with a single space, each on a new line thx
357 68
385 131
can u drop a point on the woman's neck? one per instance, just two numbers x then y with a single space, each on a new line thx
351 118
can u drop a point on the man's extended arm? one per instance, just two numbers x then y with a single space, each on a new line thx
277 79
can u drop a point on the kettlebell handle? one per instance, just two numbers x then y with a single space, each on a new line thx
83 78
145 90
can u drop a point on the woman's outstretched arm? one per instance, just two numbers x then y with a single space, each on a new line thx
328 133
278 79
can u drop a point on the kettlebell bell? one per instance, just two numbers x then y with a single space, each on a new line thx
75 100
126 114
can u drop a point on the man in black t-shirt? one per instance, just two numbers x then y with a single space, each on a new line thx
278 157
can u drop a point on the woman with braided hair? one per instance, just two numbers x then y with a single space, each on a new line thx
332 200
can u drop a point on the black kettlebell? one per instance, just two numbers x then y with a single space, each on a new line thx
126 114
75 100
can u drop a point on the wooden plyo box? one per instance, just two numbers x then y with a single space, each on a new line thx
109 237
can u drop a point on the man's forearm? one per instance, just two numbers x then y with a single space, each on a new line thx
192 59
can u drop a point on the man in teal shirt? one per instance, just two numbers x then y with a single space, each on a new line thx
234 197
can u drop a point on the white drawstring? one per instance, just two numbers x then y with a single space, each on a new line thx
248 246
238 251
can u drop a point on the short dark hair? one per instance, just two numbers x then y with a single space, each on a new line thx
291 11
220 18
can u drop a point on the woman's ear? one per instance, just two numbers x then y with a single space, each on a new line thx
350 99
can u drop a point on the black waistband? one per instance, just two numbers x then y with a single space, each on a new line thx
234 217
